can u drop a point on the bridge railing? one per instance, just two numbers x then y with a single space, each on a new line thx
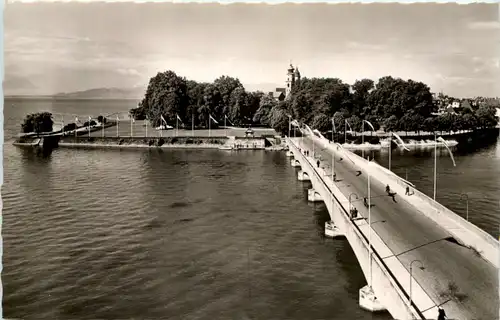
489 247
360 234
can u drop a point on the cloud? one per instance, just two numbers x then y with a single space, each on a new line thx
364 46
484 25
129 72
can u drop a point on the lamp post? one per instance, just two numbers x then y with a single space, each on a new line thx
390 150
289 124
352 194
363 137
435 159
466 203
411 277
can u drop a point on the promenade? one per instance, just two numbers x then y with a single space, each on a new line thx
454 276
138 129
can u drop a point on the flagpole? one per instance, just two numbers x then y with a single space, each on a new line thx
345 131
333 153
363 139
435 165
177 125
209 122
369 230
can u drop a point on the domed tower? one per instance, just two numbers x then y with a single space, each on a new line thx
290 81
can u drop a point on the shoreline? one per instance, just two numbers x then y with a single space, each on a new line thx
137 146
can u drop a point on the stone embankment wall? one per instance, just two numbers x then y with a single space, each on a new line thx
164 142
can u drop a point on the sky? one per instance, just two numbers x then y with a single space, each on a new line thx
64 47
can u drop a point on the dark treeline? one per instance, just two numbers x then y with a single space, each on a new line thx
393 103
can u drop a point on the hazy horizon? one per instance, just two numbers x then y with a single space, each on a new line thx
66 47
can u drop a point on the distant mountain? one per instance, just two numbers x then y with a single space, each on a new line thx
105 93
15 85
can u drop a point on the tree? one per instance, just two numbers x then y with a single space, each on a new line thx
225 86
355 122
468 121
91 123
263 114
417 122
391 124
430 124
301 106
238 106
38 122
362 89
339 121
405 123
279 118
70 127
322 122
138 113
102 119
166 96
486 116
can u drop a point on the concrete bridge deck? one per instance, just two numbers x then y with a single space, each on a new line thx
455 277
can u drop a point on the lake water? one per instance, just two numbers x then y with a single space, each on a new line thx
189 234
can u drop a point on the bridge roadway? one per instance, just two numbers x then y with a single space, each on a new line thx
411 235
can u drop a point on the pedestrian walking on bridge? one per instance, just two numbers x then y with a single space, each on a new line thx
442 314
318 163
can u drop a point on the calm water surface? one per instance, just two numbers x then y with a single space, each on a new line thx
141 234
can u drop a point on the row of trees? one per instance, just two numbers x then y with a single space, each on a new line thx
393 103
43 122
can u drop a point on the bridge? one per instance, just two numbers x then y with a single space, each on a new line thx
416 254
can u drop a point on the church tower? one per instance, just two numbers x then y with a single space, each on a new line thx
297 75
290 81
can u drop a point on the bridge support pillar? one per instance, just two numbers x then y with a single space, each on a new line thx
313 196
368 300
289 154
294 163
331 230
303 176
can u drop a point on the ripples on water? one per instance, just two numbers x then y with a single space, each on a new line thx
169 235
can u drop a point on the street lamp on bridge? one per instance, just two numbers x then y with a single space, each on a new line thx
466 203
435 159
363 136
411 276
289 124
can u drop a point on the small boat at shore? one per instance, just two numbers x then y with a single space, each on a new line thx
35 142
331 230
226 147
